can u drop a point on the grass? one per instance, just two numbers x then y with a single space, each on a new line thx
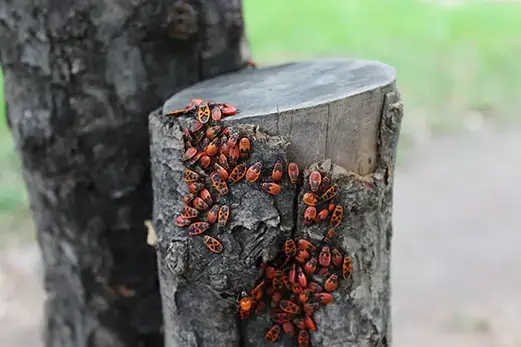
453 62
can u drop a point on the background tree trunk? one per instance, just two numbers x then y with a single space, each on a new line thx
81 78
346 111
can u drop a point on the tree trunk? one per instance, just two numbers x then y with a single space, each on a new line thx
340 116
81 79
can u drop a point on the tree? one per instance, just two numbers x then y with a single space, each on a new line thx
341 117
81 78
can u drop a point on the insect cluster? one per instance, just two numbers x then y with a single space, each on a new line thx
215 157
304 275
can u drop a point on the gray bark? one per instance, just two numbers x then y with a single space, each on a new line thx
348 112
81 78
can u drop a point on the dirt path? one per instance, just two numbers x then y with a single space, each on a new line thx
456 250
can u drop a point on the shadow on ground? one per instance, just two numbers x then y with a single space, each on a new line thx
455 266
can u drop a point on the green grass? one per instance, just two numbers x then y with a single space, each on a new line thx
12 191
453 62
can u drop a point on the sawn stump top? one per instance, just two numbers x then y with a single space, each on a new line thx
290 86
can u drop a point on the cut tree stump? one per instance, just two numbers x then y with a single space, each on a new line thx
81 78
340 116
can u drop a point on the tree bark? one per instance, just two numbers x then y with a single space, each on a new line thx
341 116
81 79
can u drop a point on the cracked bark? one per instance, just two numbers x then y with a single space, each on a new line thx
81 79
346 111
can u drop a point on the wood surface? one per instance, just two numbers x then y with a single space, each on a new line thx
341 115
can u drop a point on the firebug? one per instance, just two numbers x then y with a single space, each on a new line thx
254 172
213 244
224 213
276 174
315 178
293 172
331 283
310 214
198 228
271 188
273 334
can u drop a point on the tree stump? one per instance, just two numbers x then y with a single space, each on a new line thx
340 116
81 79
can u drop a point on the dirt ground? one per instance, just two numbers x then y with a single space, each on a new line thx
456 259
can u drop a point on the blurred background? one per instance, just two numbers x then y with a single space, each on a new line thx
456 262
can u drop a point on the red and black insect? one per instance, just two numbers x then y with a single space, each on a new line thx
219 183
324 298
310 214
246 303
289 307
347 267
200 204
198 228
232 141
299 323
301 256
276 174
213 147
290 248
254 172
190 212
273 334
213 213
216 114
310 199
224 214
212 132
271 188
293 172
177 113
223 161
190 153
336 257
303 338
244 147
195 187
288 328
311 266
336 216
301 278
281 317
234 155
306 245
315 178
331 283
213 244
190 176
238 173
329 236
229 110
188 198
203 113
325 256
311 307
206 196
221 171
315 287
304 296
330 193
322 215
182 221
257 292
205 161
